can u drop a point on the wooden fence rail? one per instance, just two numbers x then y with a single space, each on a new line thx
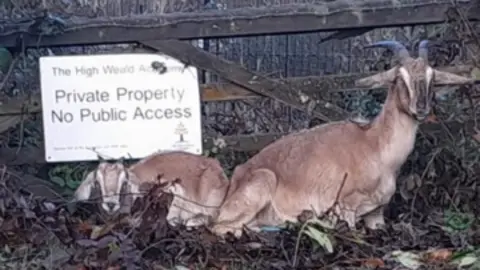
243 143
311 85
281 19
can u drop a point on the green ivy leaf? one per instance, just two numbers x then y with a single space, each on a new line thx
58 180
72 183
475 73
458 221
327 224
321 238
466 260
407 259
5 60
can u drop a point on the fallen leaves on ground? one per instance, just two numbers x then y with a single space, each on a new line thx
373 263
476 136
437 256
431 118
46 234
408 259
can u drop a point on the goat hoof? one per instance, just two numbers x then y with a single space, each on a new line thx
379 226
174 222
222 231
219 230
196 222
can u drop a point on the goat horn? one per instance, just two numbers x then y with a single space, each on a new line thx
423 49
397 47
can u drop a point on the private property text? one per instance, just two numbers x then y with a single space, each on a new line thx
121 94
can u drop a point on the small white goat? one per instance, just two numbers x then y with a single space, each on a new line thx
304 170
198 184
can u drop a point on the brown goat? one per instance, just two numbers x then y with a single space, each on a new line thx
305 170
198 194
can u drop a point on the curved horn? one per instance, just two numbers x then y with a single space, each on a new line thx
423 49
397 47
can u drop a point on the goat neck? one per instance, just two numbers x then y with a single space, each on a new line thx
393 131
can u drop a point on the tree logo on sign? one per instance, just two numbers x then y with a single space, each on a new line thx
181 131
181 143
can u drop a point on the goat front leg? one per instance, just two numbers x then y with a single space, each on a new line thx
245 203
375 219
344 211
349 217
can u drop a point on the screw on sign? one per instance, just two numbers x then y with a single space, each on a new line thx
159 66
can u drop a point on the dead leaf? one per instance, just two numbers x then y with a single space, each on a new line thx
181 267
437 256
476 136
81 267
99 231
411 182
373 262
431 118
84 227
107 241
407 259
86 243
475 73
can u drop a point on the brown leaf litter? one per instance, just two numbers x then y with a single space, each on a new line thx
36 234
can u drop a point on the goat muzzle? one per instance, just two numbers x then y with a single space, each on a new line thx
111 205
421 115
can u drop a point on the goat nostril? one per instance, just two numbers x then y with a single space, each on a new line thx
111 205
424 112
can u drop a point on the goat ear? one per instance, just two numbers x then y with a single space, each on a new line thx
84 191
445 78
378 80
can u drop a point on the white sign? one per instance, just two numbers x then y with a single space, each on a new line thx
120 105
